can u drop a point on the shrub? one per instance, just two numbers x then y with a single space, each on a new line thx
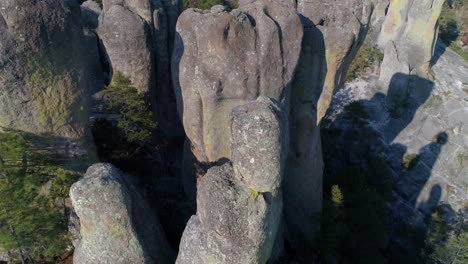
357 111
364 59
136 121
446 241
410 161
120 141
33 189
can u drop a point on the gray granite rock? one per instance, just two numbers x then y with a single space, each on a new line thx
259 148
239 207
408 37
116 224
44 75
224 59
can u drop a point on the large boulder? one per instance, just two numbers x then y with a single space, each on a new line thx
225 59
408 37
43 83
240 204
116 223
128 43
138 37
44 75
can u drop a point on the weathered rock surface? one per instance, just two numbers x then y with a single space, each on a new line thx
128 43
43 84
239 205
116 224
344 26
138 37
225 59
43 72
408 38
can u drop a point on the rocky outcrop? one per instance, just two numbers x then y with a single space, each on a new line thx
128 43
408 37
138 37
343 25
333 33
116 224
225 59
43 72
239 204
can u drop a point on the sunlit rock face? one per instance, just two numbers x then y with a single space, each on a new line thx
116 223
43 84
224 59
408 37
343 25
239 204
44 75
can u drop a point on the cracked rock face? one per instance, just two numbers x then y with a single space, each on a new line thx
235 222
224 59
408 37
116 224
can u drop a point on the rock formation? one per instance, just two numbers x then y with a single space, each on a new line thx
224 59
138 39
117 225
333 33
344 26
211 47
44 76
240 204
408 37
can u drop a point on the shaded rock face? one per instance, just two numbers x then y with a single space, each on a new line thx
344 27
240 204
225 59
116 224
333 33
138 37
127 39
44 75
43 84
408 38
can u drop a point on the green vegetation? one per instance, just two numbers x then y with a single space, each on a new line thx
410 161
207 4
354 219
356 111
135 124
453 25
446 241
33 189
365 58
56 98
